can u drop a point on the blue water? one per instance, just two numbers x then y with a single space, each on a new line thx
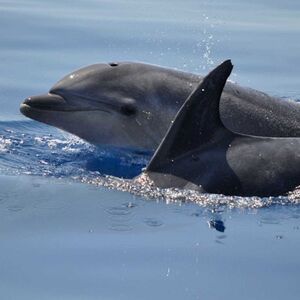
69 232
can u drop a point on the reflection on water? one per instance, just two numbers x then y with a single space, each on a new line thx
217 225
28 150
106 239
61 239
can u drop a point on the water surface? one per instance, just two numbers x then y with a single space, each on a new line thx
66 236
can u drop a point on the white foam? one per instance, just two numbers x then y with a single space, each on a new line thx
4 144
143 187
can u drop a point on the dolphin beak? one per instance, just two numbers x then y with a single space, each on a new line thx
43 102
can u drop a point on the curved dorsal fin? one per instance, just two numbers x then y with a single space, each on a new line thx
198 120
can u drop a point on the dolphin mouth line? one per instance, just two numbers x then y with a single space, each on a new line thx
55 109
53 102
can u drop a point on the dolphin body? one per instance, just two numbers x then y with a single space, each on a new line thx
131 105
199 152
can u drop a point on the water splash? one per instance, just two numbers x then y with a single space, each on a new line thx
36 149
204 48
39 150
141 186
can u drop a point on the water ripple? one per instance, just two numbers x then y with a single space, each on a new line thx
36 149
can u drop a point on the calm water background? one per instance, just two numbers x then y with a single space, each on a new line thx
61 239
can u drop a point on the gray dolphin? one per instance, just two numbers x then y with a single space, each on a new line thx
131 105
199 152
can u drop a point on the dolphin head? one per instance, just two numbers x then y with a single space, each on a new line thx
105 104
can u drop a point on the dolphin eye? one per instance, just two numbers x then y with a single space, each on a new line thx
128 110
113 64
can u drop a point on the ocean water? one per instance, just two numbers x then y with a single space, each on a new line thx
67 231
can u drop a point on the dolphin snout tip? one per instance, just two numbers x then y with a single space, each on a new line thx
27 101
23 108
42 102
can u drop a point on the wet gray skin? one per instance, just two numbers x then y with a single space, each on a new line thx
131 105
199 152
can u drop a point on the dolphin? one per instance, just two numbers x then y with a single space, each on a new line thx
131 105
199 152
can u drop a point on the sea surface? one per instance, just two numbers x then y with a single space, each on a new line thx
73 224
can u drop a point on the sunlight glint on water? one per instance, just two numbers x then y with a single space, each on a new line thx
67 231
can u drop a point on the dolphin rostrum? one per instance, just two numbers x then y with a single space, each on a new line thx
199 152
131 105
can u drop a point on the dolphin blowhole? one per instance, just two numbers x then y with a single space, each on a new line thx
135 103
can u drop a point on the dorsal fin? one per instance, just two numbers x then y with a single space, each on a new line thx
197 121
